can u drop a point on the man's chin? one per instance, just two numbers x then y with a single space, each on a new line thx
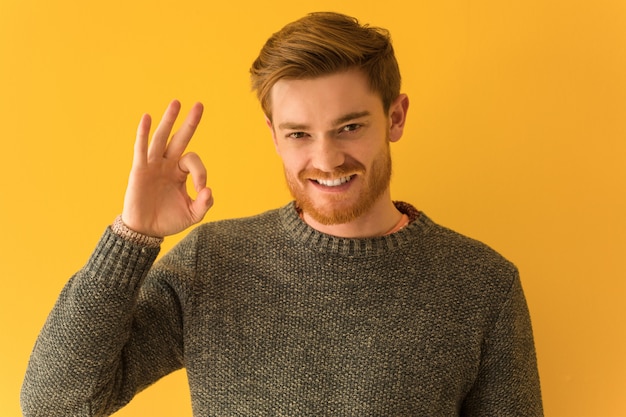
329 216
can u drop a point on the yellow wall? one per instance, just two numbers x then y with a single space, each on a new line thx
516 136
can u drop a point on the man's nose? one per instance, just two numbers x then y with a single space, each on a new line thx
327 154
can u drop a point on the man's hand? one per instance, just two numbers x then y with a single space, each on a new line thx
157 202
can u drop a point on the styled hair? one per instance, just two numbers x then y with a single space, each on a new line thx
324 43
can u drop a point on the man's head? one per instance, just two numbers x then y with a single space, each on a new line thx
330 90
322 44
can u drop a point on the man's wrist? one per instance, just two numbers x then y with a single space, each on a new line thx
119 228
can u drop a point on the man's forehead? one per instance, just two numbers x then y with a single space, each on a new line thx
331 99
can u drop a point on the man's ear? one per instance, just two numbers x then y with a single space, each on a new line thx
397 117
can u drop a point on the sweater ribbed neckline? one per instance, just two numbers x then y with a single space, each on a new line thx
305 235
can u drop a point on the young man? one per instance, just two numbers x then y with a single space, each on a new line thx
342 302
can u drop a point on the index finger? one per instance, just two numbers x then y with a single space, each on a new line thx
140 154
181 138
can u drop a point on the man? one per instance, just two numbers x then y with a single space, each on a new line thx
342 302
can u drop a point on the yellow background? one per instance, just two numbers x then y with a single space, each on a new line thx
516 136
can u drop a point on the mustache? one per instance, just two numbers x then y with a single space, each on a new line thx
345 170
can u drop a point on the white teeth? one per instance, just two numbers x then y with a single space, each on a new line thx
334 183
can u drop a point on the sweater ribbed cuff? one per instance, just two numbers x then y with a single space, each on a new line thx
119 228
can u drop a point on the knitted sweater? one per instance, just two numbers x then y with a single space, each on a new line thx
272 318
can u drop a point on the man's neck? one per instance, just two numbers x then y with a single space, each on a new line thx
380 219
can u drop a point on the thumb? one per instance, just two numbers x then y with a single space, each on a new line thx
201 205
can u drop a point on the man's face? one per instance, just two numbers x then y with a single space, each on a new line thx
333 137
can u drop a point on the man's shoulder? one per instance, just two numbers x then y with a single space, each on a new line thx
459 249
463 266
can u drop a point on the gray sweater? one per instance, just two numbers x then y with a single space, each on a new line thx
272 318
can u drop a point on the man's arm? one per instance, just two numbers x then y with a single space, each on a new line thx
508 379
114 330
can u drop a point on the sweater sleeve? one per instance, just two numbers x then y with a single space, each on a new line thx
112 332
508 379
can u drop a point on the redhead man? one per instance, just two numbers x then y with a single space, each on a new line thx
341 303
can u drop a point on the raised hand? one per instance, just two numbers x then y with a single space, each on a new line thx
157 202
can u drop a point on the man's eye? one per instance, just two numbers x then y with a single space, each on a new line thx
351 127
297 135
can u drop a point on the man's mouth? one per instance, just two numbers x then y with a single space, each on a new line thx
334 182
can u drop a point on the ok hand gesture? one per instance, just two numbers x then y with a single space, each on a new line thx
157 202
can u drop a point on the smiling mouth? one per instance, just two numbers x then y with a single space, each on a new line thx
334 182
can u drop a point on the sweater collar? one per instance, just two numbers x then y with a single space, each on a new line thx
305 235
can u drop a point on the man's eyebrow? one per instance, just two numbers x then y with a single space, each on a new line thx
350 116
343 119
292 126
